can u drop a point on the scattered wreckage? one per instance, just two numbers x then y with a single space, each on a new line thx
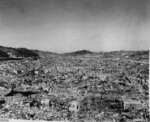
101 87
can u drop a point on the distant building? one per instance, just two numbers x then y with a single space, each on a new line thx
126 57
45 102
46 70
74 106
134 104
36 72
117 58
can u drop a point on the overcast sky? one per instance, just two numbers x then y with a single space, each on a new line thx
70 25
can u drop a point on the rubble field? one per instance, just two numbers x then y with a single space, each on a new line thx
100 87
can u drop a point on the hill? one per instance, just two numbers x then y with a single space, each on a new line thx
3 54
9 52
44 53
79 53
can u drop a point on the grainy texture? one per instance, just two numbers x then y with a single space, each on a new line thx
77 86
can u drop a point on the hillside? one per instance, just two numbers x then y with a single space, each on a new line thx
9 52
79 53
44 53
3 54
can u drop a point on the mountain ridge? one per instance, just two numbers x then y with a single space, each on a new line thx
11 52
79 52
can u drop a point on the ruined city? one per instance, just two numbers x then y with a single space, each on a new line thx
81 86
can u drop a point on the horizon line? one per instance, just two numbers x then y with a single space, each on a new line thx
76 50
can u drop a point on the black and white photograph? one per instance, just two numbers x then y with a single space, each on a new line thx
74 60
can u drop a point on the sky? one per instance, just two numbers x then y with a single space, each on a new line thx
71 25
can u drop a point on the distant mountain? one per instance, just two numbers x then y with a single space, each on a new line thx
9 52
3 54
44 53
139 55
23 52
78 53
